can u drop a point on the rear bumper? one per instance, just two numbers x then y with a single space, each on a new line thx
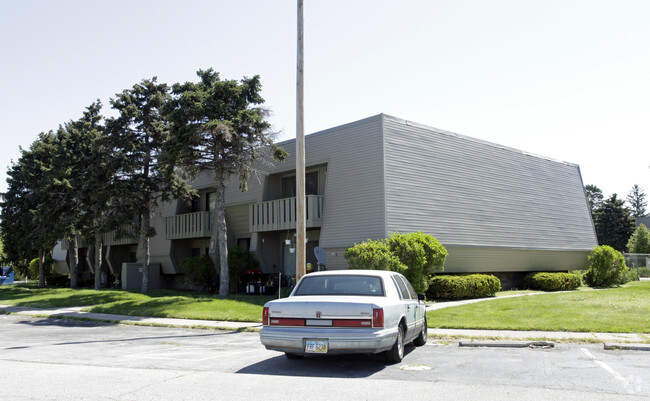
340 340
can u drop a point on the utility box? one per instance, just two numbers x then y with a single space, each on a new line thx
132 276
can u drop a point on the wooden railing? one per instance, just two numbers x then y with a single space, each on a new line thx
188 225
280 214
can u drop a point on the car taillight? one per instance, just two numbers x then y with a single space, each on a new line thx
265 316
378 317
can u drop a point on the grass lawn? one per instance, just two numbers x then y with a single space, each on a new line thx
158 303
620 310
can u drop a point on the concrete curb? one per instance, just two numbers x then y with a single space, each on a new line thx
627 347
508 344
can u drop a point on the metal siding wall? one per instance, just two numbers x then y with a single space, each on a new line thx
237 220
490 260
465 191
159 247
354 190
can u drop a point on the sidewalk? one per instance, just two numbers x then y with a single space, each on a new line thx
77 313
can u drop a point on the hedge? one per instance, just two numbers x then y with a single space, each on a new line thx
464 286
552 281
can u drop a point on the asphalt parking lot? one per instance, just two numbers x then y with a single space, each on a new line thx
156 362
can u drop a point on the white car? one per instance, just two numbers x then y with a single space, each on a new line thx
347 311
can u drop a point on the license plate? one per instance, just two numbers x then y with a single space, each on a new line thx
316 346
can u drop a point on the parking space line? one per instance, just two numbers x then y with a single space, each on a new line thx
610 370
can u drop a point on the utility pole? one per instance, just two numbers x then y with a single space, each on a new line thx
301 234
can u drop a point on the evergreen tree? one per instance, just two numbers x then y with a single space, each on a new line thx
613 223
137 136
29 212
594 197
85 171
219 127
636 199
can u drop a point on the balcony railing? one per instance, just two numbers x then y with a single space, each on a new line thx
128 237
280 214
188 225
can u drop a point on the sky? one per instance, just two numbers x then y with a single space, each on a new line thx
569 80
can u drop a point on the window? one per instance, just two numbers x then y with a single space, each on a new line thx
401 288
341 285
210 201
244 243
289 185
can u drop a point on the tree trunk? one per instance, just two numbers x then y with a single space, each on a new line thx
219 233
144 243
98 260
74 260
41 268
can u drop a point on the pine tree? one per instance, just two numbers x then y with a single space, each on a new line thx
137 136
636 199
219 127
613 223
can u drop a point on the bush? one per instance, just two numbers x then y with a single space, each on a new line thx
48 269
552 281
639 242
464 286
630 275
373 255
239 260
417 256
644 272
606 267
199 270
59 280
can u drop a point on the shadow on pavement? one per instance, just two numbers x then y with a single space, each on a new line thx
330 366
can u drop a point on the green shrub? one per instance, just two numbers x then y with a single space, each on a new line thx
48 269
198 269
416 255
552 281
59 280
639 241
630 275
463 286
644 272
373 255
239 260
606 267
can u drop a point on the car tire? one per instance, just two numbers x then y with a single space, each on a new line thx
395 354
289 355
421 339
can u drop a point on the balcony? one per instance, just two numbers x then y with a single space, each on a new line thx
128 237
280 214
188 225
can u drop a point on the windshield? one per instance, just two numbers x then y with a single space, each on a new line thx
341 285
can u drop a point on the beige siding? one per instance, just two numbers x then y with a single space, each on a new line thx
160 248
354 191
468 192
237 221
490 260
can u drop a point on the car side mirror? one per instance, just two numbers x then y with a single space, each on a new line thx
421 297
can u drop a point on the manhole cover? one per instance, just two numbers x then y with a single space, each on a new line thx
416 367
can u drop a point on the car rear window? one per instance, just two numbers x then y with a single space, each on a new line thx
341 285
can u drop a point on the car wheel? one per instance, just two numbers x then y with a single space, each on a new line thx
421 339
289 355
395 354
